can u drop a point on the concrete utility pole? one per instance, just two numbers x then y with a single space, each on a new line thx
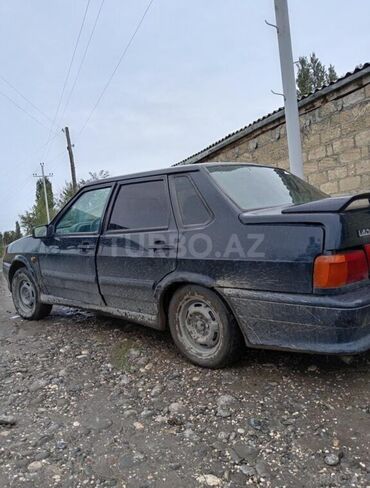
71 159
43 176
289 88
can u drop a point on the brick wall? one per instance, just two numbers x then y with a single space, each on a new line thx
335 132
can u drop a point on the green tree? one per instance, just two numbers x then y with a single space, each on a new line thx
313 75
95 175
38 215
27 221
40 204
331 74
65 195
318 71
304 81
18 233
8 237
67 191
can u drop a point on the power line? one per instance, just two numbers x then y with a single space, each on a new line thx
25 98
56 158
28 113
21 183
126 48
51 127
56 134
69 67
72 59
83 58
35 153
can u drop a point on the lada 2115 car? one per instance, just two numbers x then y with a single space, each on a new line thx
223 254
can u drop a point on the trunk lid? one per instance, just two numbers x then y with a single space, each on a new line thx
345 220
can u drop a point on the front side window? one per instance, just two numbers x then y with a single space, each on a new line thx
253 187
141 205
85 214
192 209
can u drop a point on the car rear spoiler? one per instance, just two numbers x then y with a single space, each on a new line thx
327 205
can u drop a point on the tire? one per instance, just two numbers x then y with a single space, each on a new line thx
203 328
25 296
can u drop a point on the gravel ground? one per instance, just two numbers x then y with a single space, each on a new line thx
86 401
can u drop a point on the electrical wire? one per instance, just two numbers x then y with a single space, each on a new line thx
25 182
102 93
22 182
126 48
25 98
54 167
82 59
51 130
69 71
35 119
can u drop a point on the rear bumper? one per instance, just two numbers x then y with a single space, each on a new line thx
337 324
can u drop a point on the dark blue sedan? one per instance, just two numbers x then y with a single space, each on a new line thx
223 254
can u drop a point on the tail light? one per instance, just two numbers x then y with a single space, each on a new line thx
367 251
341 269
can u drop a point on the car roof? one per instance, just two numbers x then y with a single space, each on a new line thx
186 168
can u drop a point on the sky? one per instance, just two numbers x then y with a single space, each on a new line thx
196 71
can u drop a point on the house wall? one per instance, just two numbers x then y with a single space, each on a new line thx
335 133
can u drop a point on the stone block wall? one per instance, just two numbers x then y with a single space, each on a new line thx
335 133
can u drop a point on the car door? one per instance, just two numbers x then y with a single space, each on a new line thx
138 246
67 260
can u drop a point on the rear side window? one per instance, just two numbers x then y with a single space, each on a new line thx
192 209
141 206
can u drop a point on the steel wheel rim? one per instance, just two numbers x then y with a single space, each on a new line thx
200 326
27 295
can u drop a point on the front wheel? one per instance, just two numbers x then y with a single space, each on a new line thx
26 296
203 328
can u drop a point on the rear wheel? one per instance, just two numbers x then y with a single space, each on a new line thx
25 296
203 328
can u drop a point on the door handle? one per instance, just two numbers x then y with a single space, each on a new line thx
161 246
85 247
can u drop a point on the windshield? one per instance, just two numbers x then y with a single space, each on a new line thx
252 187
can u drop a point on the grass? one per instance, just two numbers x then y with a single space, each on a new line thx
120 354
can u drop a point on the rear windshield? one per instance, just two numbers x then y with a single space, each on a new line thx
253 187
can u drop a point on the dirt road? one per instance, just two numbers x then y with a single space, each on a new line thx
97 402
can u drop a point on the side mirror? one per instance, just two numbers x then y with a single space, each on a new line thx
42 231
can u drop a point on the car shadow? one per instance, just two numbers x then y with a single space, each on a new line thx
303 363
